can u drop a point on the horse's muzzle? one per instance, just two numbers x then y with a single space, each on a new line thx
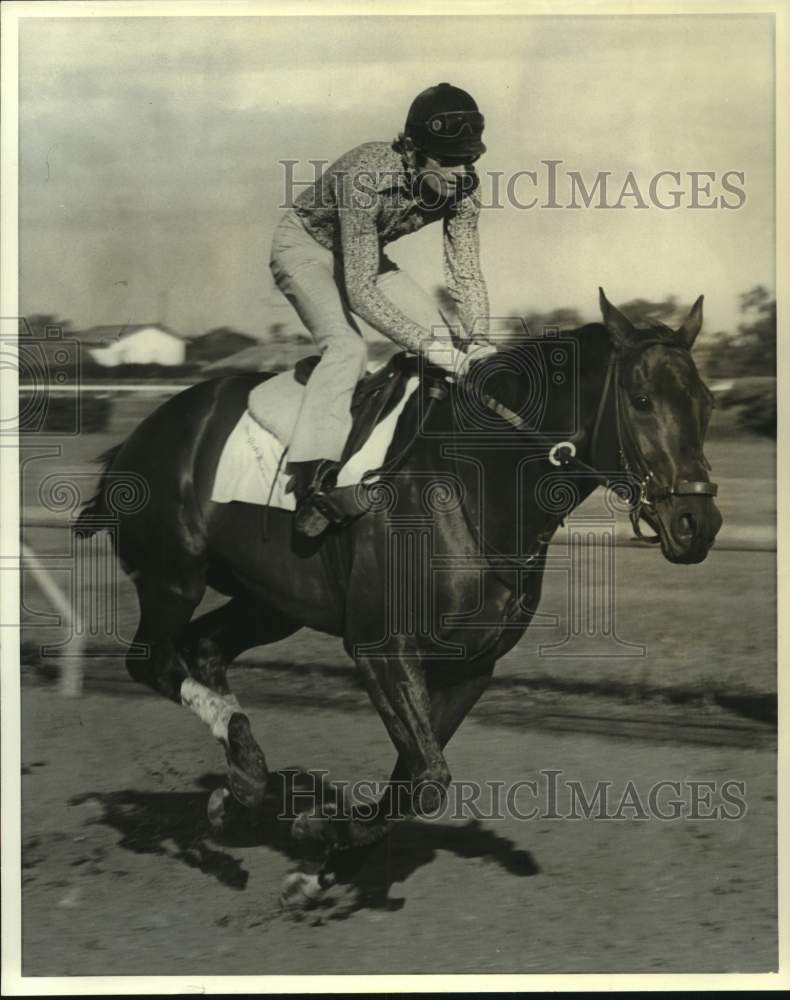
687 527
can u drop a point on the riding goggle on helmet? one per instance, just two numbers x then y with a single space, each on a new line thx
446 123
452 124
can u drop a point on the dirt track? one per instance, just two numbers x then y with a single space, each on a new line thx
122 877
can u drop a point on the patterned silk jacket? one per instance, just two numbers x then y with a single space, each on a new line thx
367 199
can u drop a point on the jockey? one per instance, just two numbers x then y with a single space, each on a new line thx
328 259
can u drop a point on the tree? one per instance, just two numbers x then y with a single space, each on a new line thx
286 335
536 324
752 349
644 312
36 325
217 343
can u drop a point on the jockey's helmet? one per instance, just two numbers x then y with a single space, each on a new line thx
445 122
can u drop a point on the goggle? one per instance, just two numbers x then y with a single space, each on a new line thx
452 124
457 161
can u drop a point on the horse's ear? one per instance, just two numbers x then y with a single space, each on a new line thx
692 324
620 330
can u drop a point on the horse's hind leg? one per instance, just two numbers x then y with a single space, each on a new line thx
209 644
164 612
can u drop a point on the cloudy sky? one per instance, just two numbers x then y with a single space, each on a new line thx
150 149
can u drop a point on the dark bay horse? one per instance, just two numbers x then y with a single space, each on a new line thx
442 577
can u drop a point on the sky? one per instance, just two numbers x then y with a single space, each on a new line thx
150 175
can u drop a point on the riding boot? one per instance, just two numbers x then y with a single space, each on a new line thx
310 481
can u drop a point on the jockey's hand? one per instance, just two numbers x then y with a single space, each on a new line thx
478 349
442 354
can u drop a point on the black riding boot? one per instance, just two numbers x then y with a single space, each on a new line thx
309 483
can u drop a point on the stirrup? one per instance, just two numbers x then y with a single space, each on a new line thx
308 477
329 508
309 520
316 510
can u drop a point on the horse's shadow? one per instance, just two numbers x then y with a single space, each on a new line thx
175 824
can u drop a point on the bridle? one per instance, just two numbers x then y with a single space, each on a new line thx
632 460
563 454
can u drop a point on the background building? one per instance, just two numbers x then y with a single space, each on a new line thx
135 344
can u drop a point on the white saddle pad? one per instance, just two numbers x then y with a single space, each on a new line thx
252 465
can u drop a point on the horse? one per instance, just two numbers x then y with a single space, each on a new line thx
464 499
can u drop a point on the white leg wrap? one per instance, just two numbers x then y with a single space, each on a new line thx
214 709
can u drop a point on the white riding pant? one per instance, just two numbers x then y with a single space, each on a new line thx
311 279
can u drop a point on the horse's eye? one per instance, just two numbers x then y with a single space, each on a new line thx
641 402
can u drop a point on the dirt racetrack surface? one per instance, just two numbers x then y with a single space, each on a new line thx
122 875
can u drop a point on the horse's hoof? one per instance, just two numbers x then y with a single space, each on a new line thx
300 891
310 828
220 809
247 771
329 829
246 791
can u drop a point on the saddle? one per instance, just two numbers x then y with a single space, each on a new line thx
275 402
376 395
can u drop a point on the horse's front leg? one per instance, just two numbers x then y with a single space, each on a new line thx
400 690
416 787
397 687
452 691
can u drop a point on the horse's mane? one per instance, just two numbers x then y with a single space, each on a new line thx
593 340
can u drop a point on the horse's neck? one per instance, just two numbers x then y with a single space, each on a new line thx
495 490
597 403
504 480
567 391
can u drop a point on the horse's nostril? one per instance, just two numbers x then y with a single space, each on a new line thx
685 526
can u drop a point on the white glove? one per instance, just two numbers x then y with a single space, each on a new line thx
444 355
477 349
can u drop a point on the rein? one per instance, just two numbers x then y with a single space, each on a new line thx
563 453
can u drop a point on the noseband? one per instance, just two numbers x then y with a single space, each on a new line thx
631 457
